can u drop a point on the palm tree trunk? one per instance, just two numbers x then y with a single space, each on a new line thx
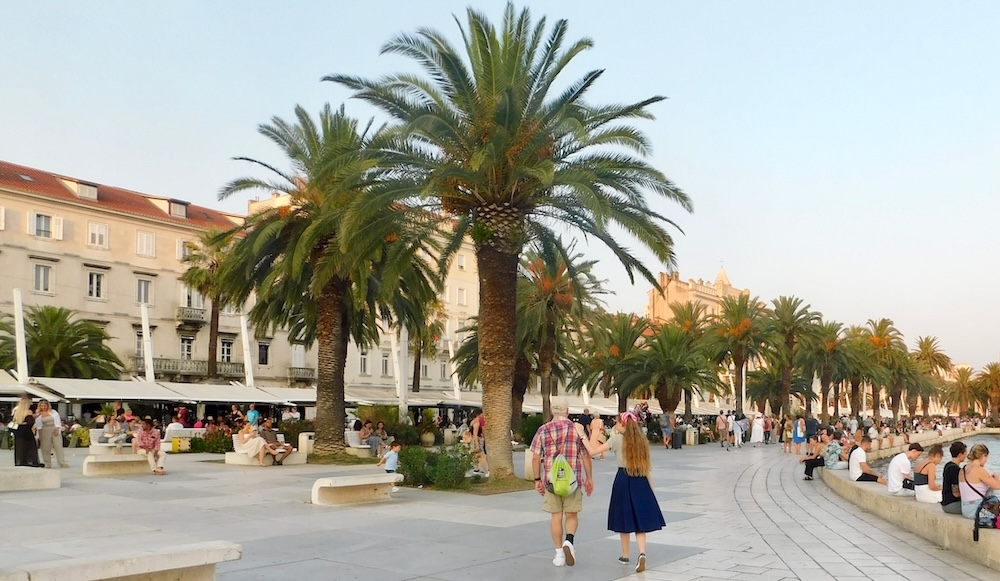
546 355
876 403
786 377
332 336
739 363
522 375
665 396
417 356
836 399
855 396
688 415
497 349
213 340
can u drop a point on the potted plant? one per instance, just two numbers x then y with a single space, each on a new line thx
428 428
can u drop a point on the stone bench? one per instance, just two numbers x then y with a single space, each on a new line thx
115 465
953 532
183 436
27 478
239 458
352 489
354 445
195 562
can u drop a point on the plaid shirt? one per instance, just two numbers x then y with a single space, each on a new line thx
148 440
559 437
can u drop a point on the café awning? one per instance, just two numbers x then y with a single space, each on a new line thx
107 389
221 393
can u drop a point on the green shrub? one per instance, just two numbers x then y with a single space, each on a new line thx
452 464
82 437
378 413
406 434
529 426
414 465
291 429
212 443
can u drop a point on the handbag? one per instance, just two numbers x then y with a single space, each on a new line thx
12 425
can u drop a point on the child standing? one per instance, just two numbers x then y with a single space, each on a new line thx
633 507
391 460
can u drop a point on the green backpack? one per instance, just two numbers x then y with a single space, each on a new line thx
562 480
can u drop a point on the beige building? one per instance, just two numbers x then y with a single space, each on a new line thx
700 291
103 251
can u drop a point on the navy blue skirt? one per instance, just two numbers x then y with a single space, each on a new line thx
633 505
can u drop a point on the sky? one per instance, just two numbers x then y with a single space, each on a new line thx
844 153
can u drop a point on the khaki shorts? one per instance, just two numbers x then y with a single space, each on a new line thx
557 504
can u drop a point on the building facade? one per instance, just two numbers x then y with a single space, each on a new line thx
698 291
104 251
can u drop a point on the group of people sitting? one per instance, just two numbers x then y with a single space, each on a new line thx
258 442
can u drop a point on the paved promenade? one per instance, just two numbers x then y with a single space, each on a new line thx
744 514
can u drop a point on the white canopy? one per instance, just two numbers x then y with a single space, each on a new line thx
107 389
10 386
215 393
292 394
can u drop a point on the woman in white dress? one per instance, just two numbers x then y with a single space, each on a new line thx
253 444
757 431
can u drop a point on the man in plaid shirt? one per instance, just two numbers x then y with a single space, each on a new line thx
553 438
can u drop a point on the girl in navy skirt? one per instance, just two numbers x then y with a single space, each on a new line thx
633 507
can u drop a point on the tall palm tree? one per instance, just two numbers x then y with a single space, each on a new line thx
60 345
825 355
791 321
204 262
510 158
608 345
738 335
963 393
764 385
301 267
861 368
888 351
989 384
553 294
938 363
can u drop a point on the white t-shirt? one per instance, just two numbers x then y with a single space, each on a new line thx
854 425
872 433
899 467
858 457
731 422
175 426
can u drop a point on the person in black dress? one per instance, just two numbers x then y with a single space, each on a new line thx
25 446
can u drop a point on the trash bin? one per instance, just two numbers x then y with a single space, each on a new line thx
678 440
691 437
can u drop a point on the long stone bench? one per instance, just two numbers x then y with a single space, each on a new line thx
116 465
953 532
195 562
354 445
353 489
26 478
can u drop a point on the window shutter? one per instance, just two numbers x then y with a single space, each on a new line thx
3 217
180 250
57 227
31 223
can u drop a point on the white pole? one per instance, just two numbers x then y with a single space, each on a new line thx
147 343
398 376
455 386
586 396
19 339
743 388
247 357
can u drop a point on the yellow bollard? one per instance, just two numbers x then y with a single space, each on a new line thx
175 445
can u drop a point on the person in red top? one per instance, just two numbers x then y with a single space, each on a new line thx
147 443
553 438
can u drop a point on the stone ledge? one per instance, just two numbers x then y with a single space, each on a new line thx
114 465
953 532
26 478
925 439
353 489
194 562
241 459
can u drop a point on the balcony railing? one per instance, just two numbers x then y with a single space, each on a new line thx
188 367
301 373
190 315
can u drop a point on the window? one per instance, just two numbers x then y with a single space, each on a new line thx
139 350
263 351
425 371
43 278
45 226
228 309
178 209
447 295
385 364
298 355
3 218
444 370
184 249
187 347
145 244
460 261
144 291
226 351
95 285
97 235
461 296
363 363
192 298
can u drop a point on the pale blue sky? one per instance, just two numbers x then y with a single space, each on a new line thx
846 153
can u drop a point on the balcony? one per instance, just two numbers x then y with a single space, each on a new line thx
187 367
301 374
191 315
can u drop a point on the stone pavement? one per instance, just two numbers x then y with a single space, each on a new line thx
744 514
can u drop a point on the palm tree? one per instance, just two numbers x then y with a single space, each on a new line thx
936 360
861 368
607 347
554 292
737 334
963 393
989 384
764 385
824 354
509 159
59 345
203 262
887 352
791 322
302 268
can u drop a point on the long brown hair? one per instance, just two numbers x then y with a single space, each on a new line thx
635 447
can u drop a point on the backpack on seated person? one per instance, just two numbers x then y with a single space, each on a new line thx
986 515
562 480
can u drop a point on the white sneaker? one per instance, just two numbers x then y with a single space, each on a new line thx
395 489
569 553
560 558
